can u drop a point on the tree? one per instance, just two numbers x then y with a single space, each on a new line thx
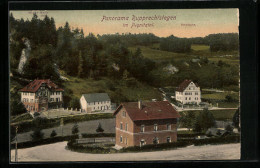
205 120
188 119
209 134
74 103
37 134
53 133
99 128
229 98
75 129
17 108
236 117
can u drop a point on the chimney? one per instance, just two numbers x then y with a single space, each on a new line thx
140 104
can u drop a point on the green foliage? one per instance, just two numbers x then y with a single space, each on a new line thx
75 129
99 128
224 41
74 103
204 120
37 134
188 120
229 98
236 119
17 108
229 128
53 133
175 44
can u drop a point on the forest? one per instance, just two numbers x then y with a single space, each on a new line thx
109 56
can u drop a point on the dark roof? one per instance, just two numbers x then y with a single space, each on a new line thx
184 85
35 85
149 110
96 97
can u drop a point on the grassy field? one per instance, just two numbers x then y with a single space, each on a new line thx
83 86
197 47
153 52
218 114
221 96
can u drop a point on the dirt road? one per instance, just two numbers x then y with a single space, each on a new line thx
57 152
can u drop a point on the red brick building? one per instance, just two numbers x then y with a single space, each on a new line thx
138 123
41 95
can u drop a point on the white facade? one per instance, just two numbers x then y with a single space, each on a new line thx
95 105
53 96
28 97
190 95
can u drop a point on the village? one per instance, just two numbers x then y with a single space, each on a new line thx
77 93
142 123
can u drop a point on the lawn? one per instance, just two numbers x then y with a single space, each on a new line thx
218 114
197 47
159 55
221 96
21 117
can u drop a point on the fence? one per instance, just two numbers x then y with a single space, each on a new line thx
95 140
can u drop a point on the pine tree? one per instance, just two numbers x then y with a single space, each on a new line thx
99 128
75 129
80 67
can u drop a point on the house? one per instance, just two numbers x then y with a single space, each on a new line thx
95 102
141 123
41 95
188 92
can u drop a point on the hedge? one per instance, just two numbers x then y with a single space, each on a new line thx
181 143
28 144
95 135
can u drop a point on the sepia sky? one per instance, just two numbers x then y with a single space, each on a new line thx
188 22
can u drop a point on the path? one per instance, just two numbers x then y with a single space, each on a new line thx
57 152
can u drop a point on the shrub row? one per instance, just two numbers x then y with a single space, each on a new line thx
95 135
87 117
28 144
71 145
181 143
192 135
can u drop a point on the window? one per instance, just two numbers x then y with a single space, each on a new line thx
185 98
121 126
124 113
57 99
121 139
52 99
196 93
168 139
31 100
168 126
155 127
126 126
142 128
126 140
189 98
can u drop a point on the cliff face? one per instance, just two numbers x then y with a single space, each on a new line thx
24 55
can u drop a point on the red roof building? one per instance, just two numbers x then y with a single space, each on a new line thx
188 92
141 123
41 95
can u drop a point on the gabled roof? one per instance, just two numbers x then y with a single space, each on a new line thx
149 110
96 97
35 85
184 85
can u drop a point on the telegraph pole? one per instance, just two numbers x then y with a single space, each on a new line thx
16 153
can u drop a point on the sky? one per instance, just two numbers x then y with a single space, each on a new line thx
182 22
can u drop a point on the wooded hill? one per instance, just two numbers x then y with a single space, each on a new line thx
118 57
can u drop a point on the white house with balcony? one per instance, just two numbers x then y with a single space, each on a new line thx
188 92
95 102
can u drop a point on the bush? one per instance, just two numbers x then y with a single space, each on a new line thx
36 114
75 129
84 135
53 133
99 128
44 141
37 134
229 128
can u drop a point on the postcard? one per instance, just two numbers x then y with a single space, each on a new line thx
124 85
